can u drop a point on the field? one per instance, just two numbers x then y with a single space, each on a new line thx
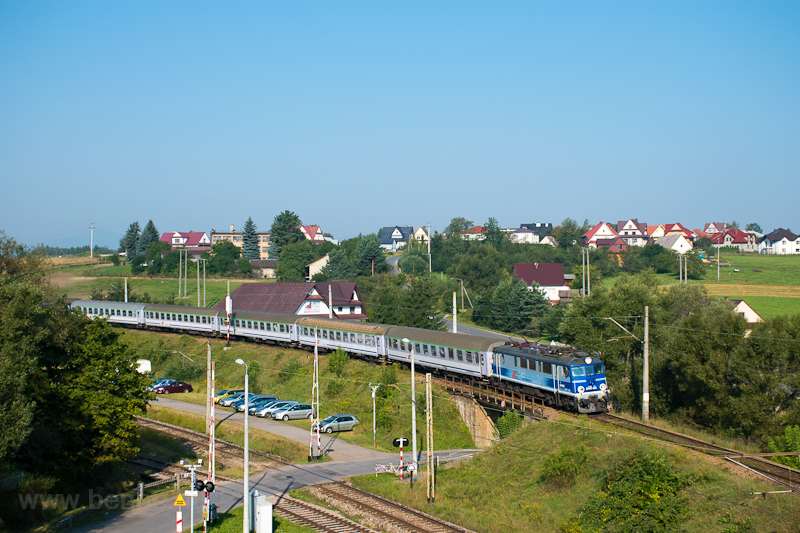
770 284
79 282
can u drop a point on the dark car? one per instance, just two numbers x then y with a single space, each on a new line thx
238 405
171 385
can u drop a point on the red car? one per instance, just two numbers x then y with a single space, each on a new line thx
171 385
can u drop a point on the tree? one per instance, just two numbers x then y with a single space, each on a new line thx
283 231
369 253
250 247
130 241
340 266
754 227
149 235
568 233
154 258
733 225
418 302
494 235
525 307
222 259
70 385
293 261
499 305
458 225
413 263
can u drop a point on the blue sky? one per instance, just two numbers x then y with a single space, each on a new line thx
358 115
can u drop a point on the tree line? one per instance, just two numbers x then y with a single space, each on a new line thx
69 385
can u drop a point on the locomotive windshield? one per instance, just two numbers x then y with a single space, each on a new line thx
588 370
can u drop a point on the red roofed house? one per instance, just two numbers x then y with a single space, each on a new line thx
678 229
475 233
654 232
735 238
304 299
312 233
549 276
600 231
196 242
714 227
615 245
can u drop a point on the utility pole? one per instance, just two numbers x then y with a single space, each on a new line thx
646 369
180 271
429 439
374 389
91 241
430 258
315 405
198 282
209 391
186 273
455 313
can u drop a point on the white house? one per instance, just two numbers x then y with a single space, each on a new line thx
632 232
779 242
676 243
602 230
524 235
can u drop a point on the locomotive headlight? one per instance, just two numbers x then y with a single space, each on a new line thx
581 389
603 386
588 360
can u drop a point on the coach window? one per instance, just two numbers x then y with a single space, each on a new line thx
547 368
471 357
425 349
562 372
459 355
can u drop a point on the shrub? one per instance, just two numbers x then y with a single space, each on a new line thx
507 424
290 369
337 361
334 387
562 468
788 442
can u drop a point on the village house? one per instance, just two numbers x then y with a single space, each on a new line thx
550 278
236 238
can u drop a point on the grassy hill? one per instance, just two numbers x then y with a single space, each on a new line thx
577 475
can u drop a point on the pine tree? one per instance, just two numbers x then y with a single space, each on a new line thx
130 242
149 235
283 231
250 248
367 251
499 305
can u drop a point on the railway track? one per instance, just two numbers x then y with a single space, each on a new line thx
195 437
778 473
317 518
390 515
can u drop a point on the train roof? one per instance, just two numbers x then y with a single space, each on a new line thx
264 317
459 341
183 309
562 355
105 304
344 325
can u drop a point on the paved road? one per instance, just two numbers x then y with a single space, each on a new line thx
346 460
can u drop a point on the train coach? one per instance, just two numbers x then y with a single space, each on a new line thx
560 376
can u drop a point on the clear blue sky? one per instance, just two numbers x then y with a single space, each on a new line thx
358 115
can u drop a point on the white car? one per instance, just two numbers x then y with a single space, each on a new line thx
271 408
295 412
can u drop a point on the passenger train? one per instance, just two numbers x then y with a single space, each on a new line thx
560 376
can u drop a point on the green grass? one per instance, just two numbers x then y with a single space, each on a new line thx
770 306
231 522
502 489
287 373
778 270
260 441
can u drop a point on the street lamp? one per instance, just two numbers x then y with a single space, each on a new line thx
374 389
413 405
246 519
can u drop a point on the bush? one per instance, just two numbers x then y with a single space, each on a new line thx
337 361
290 369
788 442
562 468
334 387
507 424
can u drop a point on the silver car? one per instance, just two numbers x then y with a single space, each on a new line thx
294 412
269 409
337 423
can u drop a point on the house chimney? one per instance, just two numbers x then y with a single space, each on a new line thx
231 228
536 265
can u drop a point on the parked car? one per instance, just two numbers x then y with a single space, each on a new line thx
267 411
337 423
294 412
225 393
238 405
171 385
155 383
260 406
226 402
256 402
